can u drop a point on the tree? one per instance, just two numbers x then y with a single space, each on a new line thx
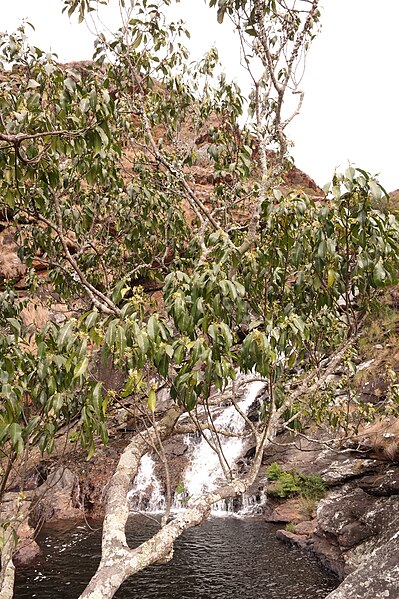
96 165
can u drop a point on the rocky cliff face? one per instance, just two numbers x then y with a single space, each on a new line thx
354 530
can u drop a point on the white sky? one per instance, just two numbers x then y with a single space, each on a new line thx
351 108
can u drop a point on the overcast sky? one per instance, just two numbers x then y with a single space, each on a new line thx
351 83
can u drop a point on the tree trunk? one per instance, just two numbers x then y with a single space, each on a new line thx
7 572
118 561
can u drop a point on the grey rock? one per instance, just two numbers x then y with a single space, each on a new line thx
340 471
377 577
57 498
384 484
358 535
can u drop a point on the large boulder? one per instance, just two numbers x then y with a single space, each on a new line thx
58 497
377 577
357 536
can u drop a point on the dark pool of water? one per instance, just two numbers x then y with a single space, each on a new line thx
225 558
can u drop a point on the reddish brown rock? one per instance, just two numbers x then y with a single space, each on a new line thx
27 549
291 510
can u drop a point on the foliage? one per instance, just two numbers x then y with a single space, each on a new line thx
290 527
45 384
285 297
96 163
94 175
290 483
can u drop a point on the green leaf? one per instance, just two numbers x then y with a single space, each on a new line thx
152 327
15 434
322 249
15 325
379 274
375 190
70 85
97 394
180 488
81 368
136 43
330 278
152 400
65 333
91 319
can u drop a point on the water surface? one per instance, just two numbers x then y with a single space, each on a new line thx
225 558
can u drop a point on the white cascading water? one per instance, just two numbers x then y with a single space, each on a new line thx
146 494
204 472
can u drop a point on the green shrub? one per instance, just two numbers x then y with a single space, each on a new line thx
274 471
290 483
290 527
312 486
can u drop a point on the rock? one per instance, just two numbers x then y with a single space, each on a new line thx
384 484
291 510
27 549
342 515
16 506
307 527
35 315
58 317
332 379
11 266
58 497
374 389
367 364
177 447
340 471
254 411
293 538
351 524
381 439
377 577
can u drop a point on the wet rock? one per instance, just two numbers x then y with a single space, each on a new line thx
177 455
254 411
293 538
177 447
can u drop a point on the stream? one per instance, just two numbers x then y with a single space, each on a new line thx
224 558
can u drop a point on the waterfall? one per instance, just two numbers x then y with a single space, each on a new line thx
146 494
204 471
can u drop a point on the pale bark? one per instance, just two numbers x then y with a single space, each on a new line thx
7 572
13 513
118 561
